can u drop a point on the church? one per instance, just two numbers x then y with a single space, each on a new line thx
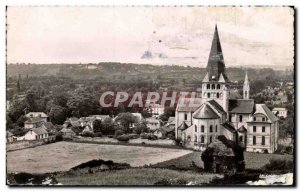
223 112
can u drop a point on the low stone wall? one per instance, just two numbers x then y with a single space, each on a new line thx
17 145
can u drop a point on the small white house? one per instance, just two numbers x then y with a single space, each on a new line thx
36 134
280 112
153 123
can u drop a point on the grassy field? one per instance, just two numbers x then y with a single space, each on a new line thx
137 176
62 156
253 160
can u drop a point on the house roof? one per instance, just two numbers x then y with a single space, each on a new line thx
229 126
40 130
152 120
171 120
183 126
241 105
263 109
279 109
48 125
189 104
66 130
242 129
167 128
205 112
34 120
36 114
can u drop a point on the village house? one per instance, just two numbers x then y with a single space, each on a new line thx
67 132
218 111
34 122
153 123
40 115
36 134
280 112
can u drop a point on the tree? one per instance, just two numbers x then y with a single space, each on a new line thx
82 103
97 126
126 120
21 120
108 126
141 127
58 114
169 112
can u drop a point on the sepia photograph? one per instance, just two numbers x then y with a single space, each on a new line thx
156 96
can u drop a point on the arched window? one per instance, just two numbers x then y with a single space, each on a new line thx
208 95
202 139
216 128
241 118
241 138
218 95
210 139
213 86
202 128
208 86
210 128
218 86
195 138
195 128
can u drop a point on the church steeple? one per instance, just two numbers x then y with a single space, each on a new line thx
246 87
216 66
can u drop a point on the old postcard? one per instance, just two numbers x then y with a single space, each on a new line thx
150 96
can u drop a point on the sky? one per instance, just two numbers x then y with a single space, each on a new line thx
254 36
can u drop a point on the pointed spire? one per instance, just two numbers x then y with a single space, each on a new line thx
215 65
246 78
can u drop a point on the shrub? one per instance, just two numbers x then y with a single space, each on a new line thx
279 164
110 136
152 137
88 134
144 136
98 134
133 136
123 138
118 133
58 137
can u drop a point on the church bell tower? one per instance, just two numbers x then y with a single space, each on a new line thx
215 84
246 88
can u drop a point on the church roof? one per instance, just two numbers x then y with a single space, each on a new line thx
229 126
217 106
233 94
241 105
189 104
216 65
205 112
262 108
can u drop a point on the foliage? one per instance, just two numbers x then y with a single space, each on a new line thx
87 134
97 126
118 132
169 112
123 138
108 126
279 164
77 129
126 120
58 114
141 127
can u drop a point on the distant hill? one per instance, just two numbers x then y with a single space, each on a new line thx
131 72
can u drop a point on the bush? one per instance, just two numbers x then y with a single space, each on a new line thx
133 136
110 136
279 164
144 136
123 138
98 134
58 137
88 134
118 133
152 137
284 150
